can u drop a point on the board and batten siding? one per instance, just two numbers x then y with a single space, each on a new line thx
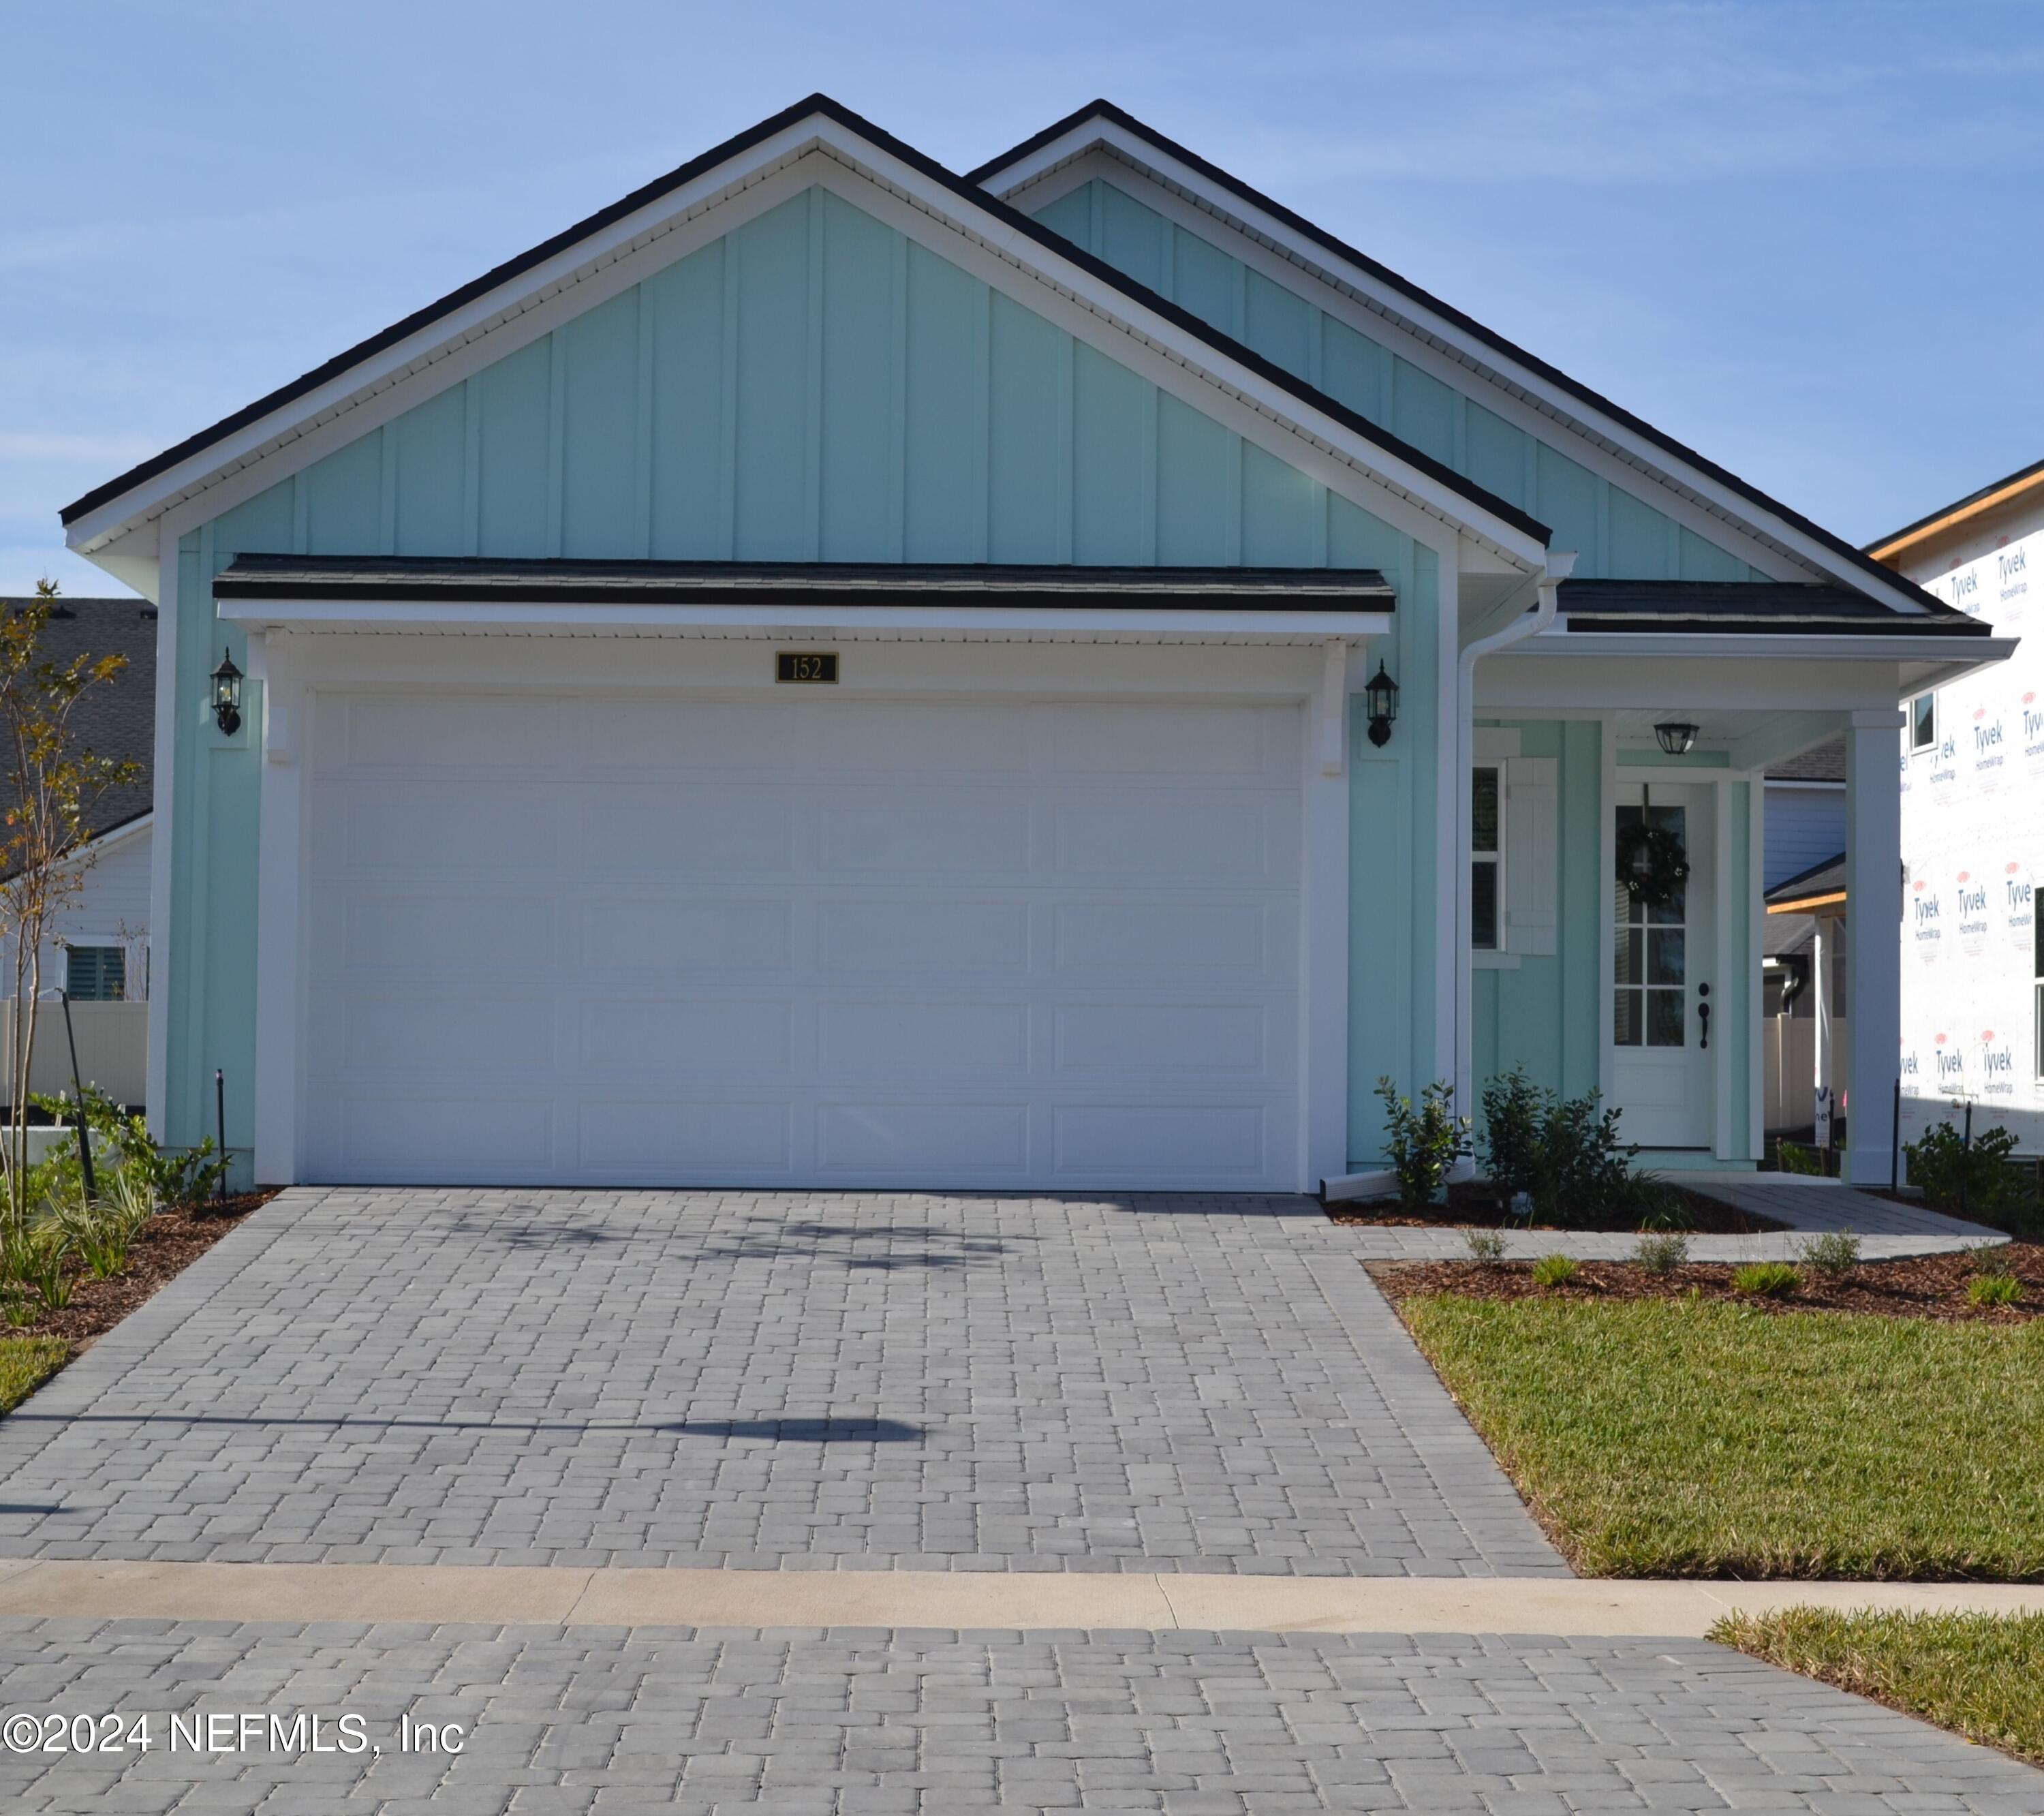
1617 535
811 386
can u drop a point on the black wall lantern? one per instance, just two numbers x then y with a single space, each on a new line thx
1677 737
1382 695
227 696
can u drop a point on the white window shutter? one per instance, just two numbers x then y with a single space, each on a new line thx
1532 854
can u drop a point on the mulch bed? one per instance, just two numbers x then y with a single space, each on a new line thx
1922 1286
1471 1203
170 1242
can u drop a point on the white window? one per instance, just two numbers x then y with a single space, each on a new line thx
1923 723
1514 850
96 973
1487 856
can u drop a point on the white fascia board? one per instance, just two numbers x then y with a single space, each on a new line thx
1386 303
585 257
1967 653
820 619
97 847
224 474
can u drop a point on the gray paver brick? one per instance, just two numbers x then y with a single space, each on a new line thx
929 1723
769 1380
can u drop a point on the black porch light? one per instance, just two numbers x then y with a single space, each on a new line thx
1382 695
227 696
1677 736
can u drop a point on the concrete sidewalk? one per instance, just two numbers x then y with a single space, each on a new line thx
1166 1603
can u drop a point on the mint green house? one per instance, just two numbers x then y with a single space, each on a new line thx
832 672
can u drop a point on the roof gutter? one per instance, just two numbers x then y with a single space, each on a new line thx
1545 584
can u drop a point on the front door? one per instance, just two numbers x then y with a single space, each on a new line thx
1664 1011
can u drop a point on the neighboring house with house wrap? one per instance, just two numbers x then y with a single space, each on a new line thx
99 947
830 672
1972 826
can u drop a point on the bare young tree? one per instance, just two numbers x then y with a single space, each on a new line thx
52 785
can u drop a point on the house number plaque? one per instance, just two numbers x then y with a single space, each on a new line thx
809 665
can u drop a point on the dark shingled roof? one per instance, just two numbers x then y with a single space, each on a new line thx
460 579
119 719
1825 879
1823 762
1745 606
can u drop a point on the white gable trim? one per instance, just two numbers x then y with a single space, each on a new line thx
1099 146
817 149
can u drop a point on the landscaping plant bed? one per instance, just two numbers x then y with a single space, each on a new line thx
169 1243
1919 1286
1473 1205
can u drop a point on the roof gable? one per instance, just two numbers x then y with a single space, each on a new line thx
445 329
1229 206
811 386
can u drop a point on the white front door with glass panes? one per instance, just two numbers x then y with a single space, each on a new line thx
1665 1010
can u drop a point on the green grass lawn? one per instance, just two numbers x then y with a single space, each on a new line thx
1668 1438
1981 1676
26 1363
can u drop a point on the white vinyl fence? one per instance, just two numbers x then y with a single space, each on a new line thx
112 1049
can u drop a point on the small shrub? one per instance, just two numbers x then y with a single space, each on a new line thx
1485 1245
1793 1157
1766 1279
1422 1145
1983 1258
1662 1252
1952 1176
1835 1254
1986 1290
1565 1153
99 1236
16 1306
1556 1270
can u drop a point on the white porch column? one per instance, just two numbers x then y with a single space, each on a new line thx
1874 937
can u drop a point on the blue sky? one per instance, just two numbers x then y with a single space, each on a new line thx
1803 237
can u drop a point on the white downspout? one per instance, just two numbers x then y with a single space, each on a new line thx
1547 584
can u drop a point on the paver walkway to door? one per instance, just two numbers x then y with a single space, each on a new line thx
767 1380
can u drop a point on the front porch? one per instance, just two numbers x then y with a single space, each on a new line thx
1590 731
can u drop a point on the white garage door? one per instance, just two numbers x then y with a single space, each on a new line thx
811 941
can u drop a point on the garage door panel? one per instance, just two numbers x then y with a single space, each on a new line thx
420 931
1172 742
1140 1141
1193 1039
676 932
1174 838
485 734
919 935
450 829
825 941
926 832
858 1041
895 1139
437 1033
1164 939
693 831
952 741
466 1137
649 1035
645 1137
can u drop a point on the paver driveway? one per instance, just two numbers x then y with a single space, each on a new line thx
1158 1382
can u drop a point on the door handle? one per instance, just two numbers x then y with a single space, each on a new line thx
1703 1016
